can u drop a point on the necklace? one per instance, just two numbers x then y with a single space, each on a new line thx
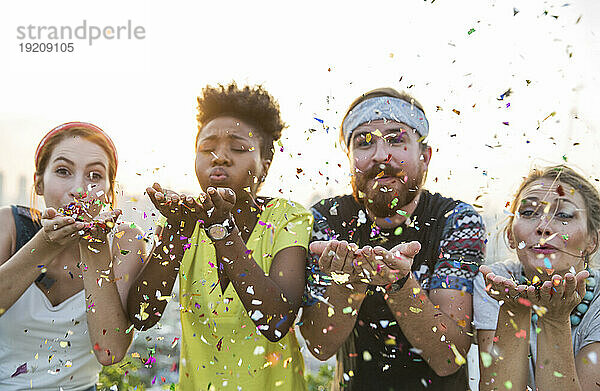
580 310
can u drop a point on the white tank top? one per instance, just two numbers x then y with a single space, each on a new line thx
52 341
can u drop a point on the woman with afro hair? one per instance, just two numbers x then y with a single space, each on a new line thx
240 257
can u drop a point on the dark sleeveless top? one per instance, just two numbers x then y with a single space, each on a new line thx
27 223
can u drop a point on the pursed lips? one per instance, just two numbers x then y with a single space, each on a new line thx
218 174
543 249
382 178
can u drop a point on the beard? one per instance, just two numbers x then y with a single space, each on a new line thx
379 199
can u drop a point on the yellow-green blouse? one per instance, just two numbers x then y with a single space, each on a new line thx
221 348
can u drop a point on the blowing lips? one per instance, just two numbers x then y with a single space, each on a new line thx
218 174
400 177
386 175
544 249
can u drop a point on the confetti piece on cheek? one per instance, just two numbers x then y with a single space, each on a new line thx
558 374
508 385
521 334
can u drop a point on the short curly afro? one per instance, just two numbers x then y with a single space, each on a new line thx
253 105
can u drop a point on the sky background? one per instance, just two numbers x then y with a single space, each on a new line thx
456 57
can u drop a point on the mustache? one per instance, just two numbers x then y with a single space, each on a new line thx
381 170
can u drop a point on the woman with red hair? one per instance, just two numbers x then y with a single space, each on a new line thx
65 272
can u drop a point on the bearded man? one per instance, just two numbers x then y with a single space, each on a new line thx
391 279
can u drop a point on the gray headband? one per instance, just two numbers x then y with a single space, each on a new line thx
385 107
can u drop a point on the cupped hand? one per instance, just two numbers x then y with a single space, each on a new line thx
102 225
177 208
505 290
559 295
59 230
389 266
338 259
217 204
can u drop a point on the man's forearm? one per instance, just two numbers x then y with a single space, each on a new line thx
326 327
442 341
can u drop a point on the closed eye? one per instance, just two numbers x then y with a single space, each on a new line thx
241 148
205 148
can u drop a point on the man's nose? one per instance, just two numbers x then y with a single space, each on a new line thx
381 152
